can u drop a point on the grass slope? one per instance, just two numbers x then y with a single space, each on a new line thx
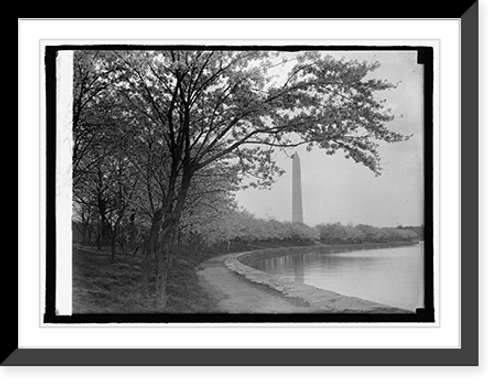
102 287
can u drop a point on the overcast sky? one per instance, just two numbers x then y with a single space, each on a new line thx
336 189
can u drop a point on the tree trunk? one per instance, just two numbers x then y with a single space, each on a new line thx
178 258
114 231
112 243
161 299
191 247
98 240
172 210
113 246
151 247
82 228
85 224
146 268
164 265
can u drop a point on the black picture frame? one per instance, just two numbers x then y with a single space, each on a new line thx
466 355
426 314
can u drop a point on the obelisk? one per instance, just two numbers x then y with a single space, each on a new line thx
296 190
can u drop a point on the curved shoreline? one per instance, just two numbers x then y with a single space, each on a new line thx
322 300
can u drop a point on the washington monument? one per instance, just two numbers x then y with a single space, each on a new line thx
297 215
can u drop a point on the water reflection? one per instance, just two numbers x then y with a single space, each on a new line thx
299 274
394 276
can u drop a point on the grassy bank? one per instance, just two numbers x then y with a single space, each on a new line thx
103 287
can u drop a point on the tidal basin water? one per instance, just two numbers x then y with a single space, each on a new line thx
393 276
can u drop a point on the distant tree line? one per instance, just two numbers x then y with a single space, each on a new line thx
241 228
224 228
201 229
349 234
419 230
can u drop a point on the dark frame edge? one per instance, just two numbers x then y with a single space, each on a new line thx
469 163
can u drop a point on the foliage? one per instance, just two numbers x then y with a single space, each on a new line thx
242 227
348 234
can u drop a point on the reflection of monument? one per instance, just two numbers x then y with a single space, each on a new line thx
296 190
299 273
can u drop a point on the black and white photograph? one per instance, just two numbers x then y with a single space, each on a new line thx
251 193
243 184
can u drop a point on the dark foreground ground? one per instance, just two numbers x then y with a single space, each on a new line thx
196 285
103 287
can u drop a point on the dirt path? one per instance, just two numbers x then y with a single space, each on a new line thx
238 295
